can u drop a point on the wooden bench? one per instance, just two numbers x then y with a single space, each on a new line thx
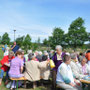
58 88
18 79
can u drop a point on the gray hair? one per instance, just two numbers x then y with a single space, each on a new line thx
81 58
29 51
66 57
31 56
59 47
21 51
11 53
73 56
39 52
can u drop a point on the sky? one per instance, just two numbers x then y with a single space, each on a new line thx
39 17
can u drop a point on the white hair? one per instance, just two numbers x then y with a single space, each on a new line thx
40 53
36 51
52 51
67 53
81 58
29 51
59 47
45 51
20 49
32 56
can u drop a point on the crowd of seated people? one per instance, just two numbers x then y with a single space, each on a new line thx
35 66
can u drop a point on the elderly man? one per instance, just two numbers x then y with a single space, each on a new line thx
39 56
4 68
57 58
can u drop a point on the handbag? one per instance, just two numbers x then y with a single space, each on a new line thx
52 65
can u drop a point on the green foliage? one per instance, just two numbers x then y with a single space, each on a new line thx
57 37
5 39
0 39
45 42
27 42
89 37
20 41
38 41
34 46
77 34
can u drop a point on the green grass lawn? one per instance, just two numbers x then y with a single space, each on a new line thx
2 87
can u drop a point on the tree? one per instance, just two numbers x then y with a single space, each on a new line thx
45 42
89 37
38 41
77 34
27 42
20 40
0 39
5 38
34 46
57 37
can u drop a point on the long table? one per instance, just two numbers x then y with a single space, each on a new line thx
86 82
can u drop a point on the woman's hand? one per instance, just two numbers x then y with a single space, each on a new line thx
73 85
48 61
21 69
77 82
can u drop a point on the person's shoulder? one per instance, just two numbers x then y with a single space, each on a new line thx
55 54
6 56
72 63
62 65
14 58
42 62
87 65
79 65
27 62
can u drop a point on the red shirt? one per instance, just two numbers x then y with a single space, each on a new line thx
5 60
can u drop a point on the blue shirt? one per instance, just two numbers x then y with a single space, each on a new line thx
15 48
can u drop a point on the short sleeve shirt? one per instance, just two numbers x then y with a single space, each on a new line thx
15 66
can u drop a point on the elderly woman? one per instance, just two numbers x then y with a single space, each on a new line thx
74 66
4 68
57 58
65 78
16 68
32 72
84 68
45 72
39 56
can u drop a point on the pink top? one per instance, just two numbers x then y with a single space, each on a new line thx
84 69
